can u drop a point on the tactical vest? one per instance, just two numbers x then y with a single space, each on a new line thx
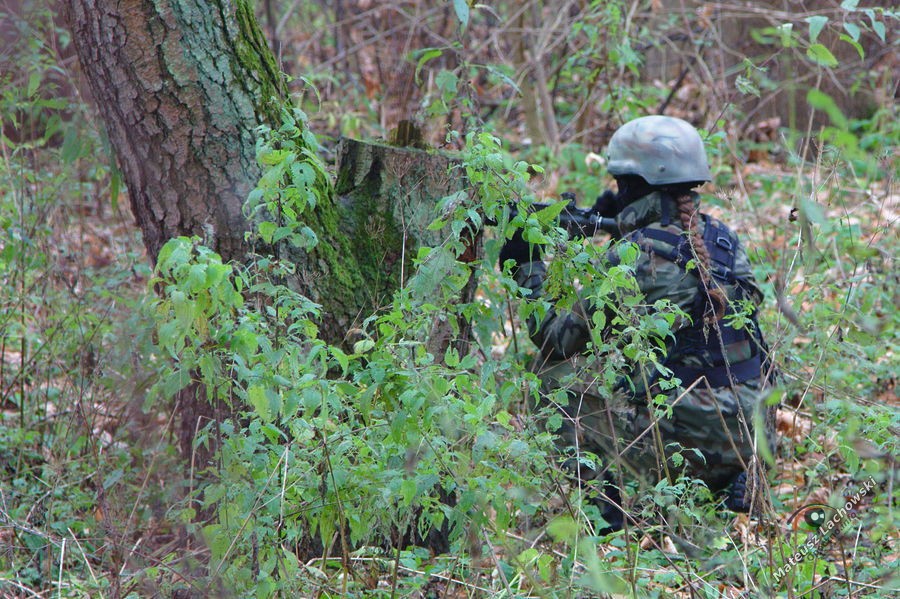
711 344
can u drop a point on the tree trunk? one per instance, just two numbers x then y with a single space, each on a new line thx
182 88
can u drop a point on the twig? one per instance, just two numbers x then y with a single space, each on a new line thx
21 587
496 559
62 557
342 522
246 521
488 592
87 562
144 483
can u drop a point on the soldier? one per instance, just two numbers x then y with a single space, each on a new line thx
718 353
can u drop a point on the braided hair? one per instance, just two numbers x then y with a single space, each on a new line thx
687 214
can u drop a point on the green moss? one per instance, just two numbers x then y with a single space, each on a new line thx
336 272
254 55
377 240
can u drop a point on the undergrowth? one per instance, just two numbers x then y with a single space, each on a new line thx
338 457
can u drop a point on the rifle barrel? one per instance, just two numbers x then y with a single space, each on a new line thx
582 221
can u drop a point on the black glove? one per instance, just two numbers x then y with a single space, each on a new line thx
606 205
737 499
519 250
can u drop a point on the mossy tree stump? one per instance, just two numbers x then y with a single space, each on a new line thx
386 196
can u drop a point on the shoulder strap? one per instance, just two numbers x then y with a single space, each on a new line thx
666 208
722 244
720 241
680 252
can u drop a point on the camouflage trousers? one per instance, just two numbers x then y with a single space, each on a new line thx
712 430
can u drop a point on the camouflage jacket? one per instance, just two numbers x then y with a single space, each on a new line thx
563 335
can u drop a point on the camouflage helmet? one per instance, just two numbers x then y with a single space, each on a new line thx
661 149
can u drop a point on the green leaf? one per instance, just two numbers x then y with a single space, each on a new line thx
853 30
667 577
855 44
563 528
816 24
432 272
598 574
281 233
851 456
451 357
71 147
244 342
217 542
786 31
528 556
813 211
216 273
628 253
424 57
341 358
878 27
184 310
554 422
493 70
302 174
822 55
746 86
849 4
822 101
408 490
446 81
34 81
256 395
197 278
462 12
362 346
310 239
436 225
267 230
167 252
532 233
112 478
273 157
841 138
549 214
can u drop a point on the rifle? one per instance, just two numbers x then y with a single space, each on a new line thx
581 222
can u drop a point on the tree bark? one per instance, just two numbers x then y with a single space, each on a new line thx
182 87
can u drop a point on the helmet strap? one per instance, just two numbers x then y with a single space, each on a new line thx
666 207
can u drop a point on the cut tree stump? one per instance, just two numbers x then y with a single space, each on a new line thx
386 198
